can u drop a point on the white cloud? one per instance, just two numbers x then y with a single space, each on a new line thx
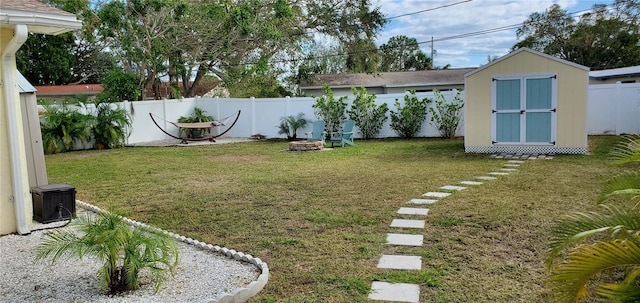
477 15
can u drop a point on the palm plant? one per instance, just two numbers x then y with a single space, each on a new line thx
111 125
197 116
126 251
602 259
62 125
289 125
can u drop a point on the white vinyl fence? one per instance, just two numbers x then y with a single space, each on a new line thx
258 116
613 109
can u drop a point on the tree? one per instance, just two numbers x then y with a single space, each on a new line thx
330 110
446 115
46 59
118 86
367 116
599 252
606 38
409 117
402 53
125 251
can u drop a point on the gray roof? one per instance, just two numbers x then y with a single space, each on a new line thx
24 85
32 6
615 72
393 79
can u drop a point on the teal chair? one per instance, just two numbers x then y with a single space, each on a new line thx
345 136
317 133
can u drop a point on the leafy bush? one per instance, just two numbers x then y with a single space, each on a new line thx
125 251
62 126
197 116
331 110
599 252
289 125
408 119
364 112
110 127
445 116
119 86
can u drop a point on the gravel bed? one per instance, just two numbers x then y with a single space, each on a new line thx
199 277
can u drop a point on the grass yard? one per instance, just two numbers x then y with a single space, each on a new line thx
319 219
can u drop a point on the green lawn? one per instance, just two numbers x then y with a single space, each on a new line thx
319 219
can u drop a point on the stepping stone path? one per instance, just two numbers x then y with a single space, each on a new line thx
422 201
413 211
402 239
402 292
407 223
452 188
470 183
435 194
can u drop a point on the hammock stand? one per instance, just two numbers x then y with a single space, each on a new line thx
197 125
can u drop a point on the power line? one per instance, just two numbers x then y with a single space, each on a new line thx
428 10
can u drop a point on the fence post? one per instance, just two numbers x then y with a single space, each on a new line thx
286 105
618 107
164 115
253 116
127 108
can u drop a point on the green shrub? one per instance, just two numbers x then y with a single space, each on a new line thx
119 86
445 115
289 125
408 120
364 112
330 110
62 126
110 126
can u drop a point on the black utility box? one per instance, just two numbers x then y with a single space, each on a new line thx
53 202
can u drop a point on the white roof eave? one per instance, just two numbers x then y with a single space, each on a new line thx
40 23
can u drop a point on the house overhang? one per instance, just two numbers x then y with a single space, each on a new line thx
39 23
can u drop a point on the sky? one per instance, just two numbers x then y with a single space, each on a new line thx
468 16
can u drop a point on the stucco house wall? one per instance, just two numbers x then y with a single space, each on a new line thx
17 20
569 125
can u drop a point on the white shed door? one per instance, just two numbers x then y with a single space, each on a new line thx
524 109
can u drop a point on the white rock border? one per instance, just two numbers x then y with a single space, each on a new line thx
238 295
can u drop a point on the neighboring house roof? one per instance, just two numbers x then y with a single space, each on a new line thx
524 49
24 86
615 73
39 17
69 90
393 79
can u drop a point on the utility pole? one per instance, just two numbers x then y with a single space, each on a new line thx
432 53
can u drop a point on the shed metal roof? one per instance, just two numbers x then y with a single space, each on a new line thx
24 85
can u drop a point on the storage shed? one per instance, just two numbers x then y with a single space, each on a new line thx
526 102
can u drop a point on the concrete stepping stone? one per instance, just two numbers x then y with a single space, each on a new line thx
400 262
495 173
407 223
453 187
486 178
515 161
511 165
404 239
508 169
395 292
423 201
435 194
470 183
413 211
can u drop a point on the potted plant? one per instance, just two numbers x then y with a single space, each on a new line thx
289 126
197 116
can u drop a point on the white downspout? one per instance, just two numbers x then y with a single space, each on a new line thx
16 147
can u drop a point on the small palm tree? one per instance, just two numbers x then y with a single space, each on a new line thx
126 251
602 262
289 125
110 126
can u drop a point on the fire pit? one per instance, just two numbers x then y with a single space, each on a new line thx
305 145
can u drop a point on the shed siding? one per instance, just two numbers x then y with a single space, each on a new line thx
571 107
